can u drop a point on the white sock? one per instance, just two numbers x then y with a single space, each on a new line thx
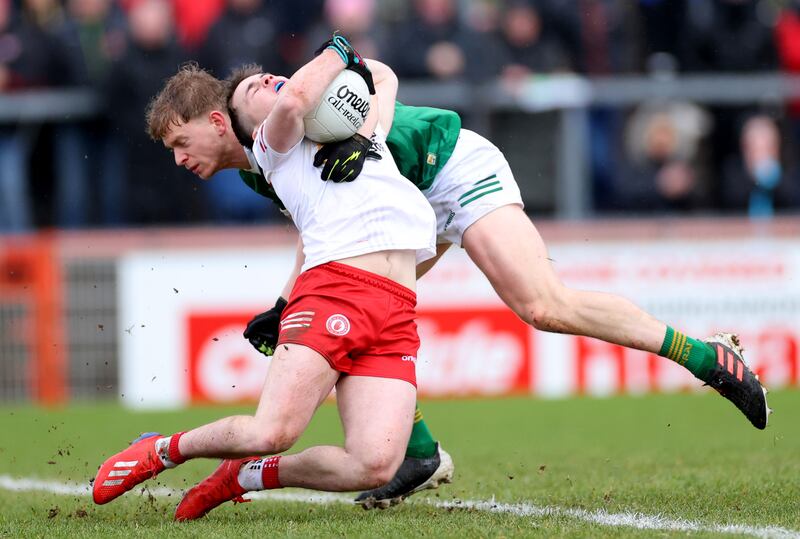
162 449
250 475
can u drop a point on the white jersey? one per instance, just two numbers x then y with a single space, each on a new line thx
380 211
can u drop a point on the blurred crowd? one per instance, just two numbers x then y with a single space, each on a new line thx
661 156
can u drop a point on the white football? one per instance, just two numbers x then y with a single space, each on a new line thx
341 111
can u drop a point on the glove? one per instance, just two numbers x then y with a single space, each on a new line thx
352 60
344 159
262 331
343 48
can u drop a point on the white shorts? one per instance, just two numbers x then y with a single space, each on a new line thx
475 181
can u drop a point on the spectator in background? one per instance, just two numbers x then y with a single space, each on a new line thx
528 46
755 179
354 18
89 155
156 191
787 42
297 18
433 43
727 36
192 19
663 170
27 60
15 204
246 32
483 16
663 31
602 37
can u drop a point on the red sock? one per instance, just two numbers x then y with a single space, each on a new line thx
269 472
173 453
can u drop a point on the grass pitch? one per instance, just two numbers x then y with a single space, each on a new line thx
681 457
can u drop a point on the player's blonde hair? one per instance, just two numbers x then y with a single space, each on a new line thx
190 93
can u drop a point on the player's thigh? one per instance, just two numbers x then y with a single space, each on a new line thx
298 381
377 415
508 249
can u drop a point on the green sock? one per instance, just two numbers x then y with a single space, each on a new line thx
421 445
695 355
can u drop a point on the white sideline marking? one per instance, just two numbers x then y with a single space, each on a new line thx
628 520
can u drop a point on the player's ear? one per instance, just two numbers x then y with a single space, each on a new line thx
217 120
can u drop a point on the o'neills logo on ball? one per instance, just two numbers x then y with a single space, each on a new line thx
338 324
350 105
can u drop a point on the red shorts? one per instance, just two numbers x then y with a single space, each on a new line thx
361 323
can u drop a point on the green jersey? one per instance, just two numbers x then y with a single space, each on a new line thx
421 141
258 183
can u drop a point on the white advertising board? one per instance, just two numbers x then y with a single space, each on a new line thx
182 314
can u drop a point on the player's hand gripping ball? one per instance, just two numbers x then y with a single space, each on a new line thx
262 331
344 160
345 103
351 58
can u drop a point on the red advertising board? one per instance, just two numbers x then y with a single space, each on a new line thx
222 366
485 351
464 352
471 351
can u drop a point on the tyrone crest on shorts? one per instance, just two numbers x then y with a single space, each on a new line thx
338 324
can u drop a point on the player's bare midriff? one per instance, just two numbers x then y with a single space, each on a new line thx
399 265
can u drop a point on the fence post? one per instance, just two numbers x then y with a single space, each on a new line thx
573 189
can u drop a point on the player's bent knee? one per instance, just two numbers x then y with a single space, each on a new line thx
272 440
377 470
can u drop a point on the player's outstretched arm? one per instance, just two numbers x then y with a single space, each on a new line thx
386 85
299 260
303 91
284 125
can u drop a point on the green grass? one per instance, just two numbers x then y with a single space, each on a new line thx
687 457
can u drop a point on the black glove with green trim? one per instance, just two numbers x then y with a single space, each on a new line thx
344 159
262 331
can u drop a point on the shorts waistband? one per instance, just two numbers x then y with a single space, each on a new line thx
370 278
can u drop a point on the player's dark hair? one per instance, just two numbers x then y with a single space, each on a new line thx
243 135
190 93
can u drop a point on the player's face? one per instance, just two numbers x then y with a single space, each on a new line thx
196 145
255 97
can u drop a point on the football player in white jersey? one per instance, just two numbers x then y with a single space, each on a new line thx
349 322
190 117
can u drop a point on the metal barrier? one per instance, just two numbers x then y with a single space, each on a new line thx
568 95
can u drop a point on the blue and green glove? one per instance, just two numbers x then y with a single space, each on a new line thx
352 60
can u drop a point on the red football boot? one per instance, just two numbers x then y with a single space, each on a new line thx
120 473
214 490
